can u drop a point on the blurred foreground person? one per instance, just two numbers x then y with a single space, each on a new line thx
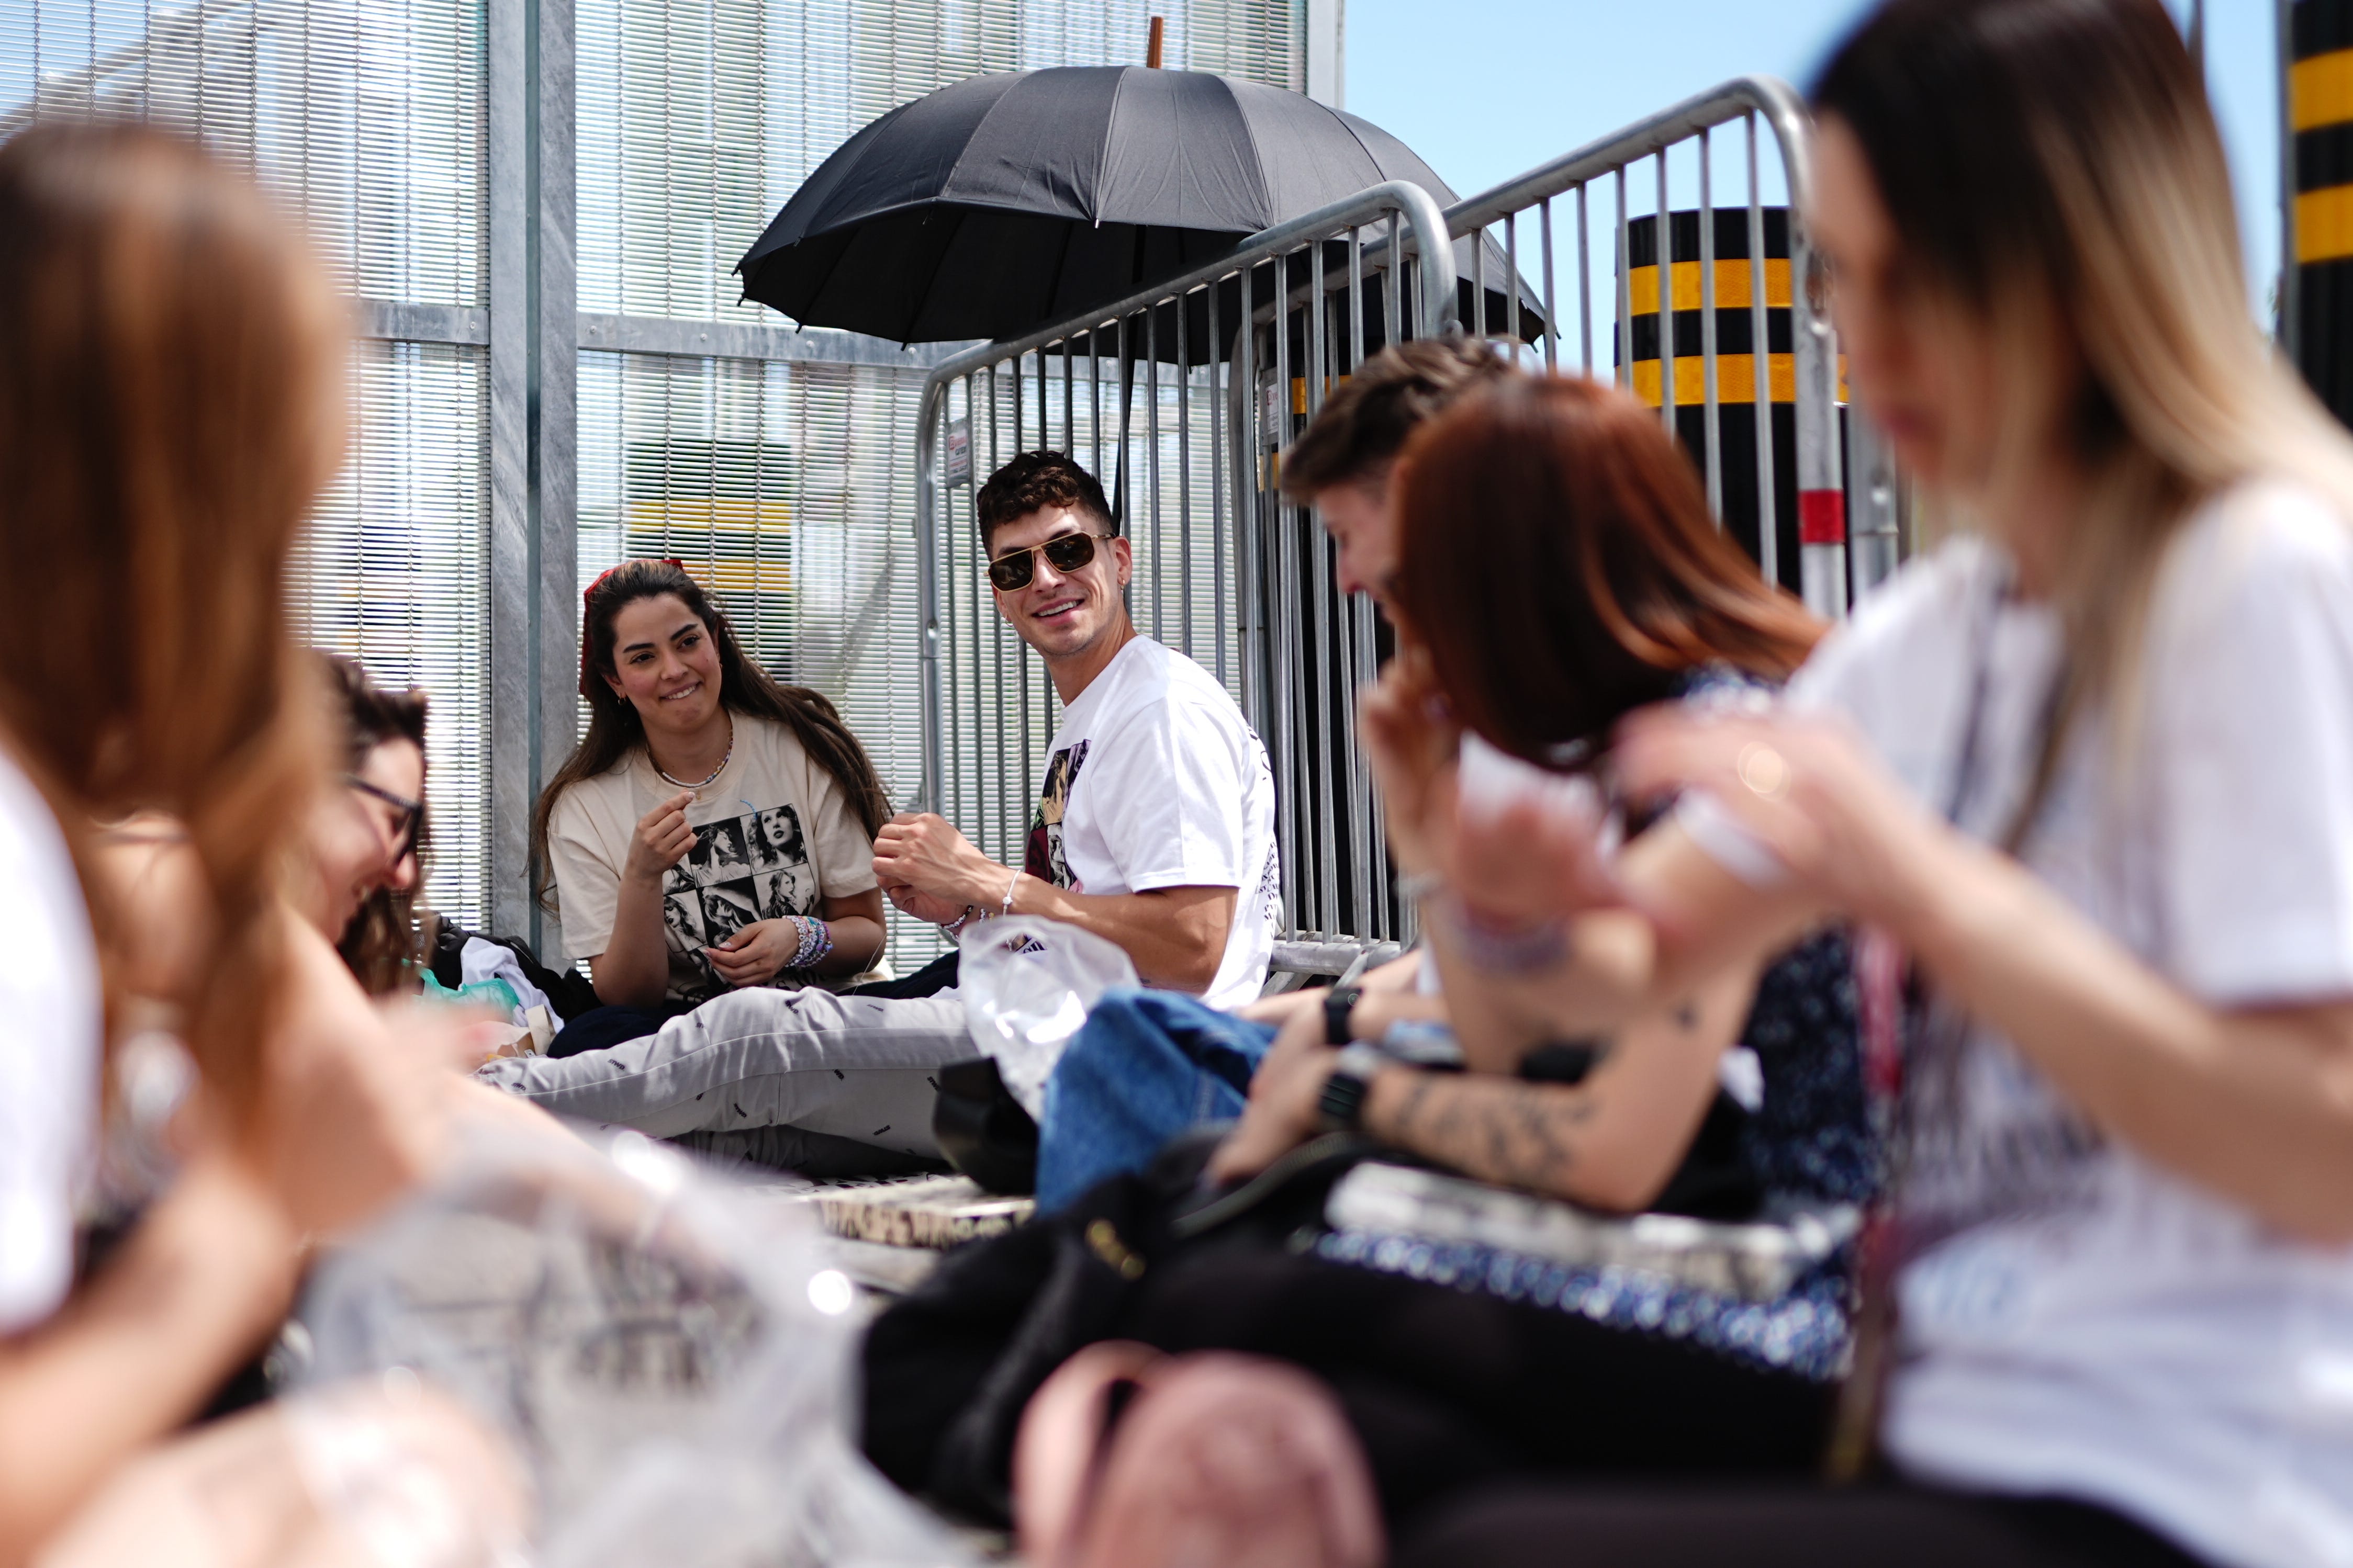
171 403
2091 764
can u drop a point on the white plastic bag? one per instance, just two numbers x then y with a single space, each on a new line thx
1028 984
667 1353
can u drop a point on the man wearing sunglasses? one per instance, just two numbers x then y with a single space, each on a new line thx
1155 826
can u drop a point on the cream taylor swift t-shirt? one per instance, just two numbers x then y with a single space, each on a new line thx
774 835
1156 780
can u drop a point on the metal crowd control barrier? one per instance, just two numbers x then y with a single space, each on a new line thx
1209 377
1727 282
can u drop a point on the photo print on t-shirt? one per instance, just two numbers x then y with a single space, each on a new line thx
741 870
1045 859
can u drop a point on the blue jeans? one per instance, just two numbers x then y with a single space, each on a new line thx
1148 1065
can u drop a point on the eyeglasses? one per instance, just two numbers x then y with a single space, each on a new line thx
1067 552
409 815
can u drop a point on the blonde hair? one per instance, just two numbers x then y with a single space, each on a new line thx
2055 164
172 403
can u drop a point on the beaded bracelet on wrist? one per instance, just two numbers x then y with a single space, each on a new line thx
816 941
1507 949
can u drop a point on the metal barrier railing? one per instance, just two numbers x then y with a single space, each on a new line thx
1210 375
1694 305
1195 372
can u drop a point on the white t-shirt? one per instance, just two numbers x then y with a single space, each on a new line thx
50 1054
1154 779
2091 1324
775 837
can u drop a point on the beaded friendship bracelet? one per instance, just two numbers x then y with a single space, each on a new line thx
1506 950
816 941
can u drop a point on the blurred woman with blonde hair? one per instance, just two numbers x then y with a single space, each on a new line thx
2090 766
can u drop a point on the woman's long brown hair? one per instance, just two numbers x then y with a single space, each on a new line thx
1558 562
615 730
172 402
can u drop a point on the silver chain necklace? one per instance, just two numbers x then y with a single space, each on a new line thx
712 776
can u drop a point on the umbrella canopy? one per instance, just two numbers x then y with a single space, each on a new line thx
1005 202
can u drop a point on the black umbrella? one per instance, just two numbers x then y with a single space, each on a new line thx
1005 202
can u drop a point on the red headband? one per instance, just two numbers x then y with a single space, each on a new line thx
588 597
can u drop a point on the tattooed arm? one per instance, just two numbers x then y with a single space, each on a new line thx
1613 1140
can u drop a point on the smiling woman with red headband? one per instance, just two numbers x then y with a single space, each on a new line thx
713 829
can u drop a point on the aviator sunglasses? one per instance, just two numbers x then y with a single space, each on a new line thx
1068 552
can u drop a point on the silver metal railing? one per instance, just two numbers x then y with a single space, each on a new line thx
1207 377
1673 280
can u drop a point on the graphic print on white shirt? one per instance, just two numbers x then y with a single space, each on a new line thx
741 870
1045 859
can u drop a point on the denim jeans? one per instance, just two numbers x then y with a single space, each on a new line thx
1148 1065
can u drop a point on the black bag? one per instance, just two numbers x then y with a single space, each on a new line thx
984 1132
950 1367
570 992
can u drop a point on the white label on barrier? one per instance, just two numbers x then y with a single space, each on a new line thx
958 467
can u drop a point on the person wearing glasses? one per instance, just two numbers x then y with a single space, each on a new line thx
1154 829
367 839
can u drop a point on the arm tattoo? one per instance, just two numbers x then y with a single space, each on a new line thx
1498 1129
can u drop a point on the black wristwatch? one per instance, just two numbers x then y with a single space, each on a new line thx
1341 1106
1338 1002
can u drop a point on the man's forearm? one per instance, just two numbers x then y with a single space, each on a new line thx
1176 937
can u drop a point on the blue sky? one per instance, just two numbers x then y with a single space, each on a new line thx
1484 89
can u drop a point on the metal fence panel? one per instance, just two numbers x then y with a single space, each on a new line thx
1180 399
1183 398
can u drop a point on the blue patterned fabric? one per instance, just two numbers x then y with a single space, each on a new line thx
1804 1331
1811 1141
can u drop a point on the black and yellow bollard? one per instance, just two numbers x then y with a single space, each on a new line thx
2320 117
1736 361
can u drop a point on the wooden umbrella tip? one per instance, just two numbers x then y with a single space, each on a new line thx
1152 46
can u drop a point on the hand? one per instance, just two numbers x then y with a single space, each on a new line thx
1843 827
926 853
1410 742
1523 863
442 1035
756 954
1281 1112
661 841
1278 1010
353 1113
923 906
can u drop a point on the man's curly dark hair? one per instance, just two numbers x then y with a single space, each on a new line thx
1034 481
